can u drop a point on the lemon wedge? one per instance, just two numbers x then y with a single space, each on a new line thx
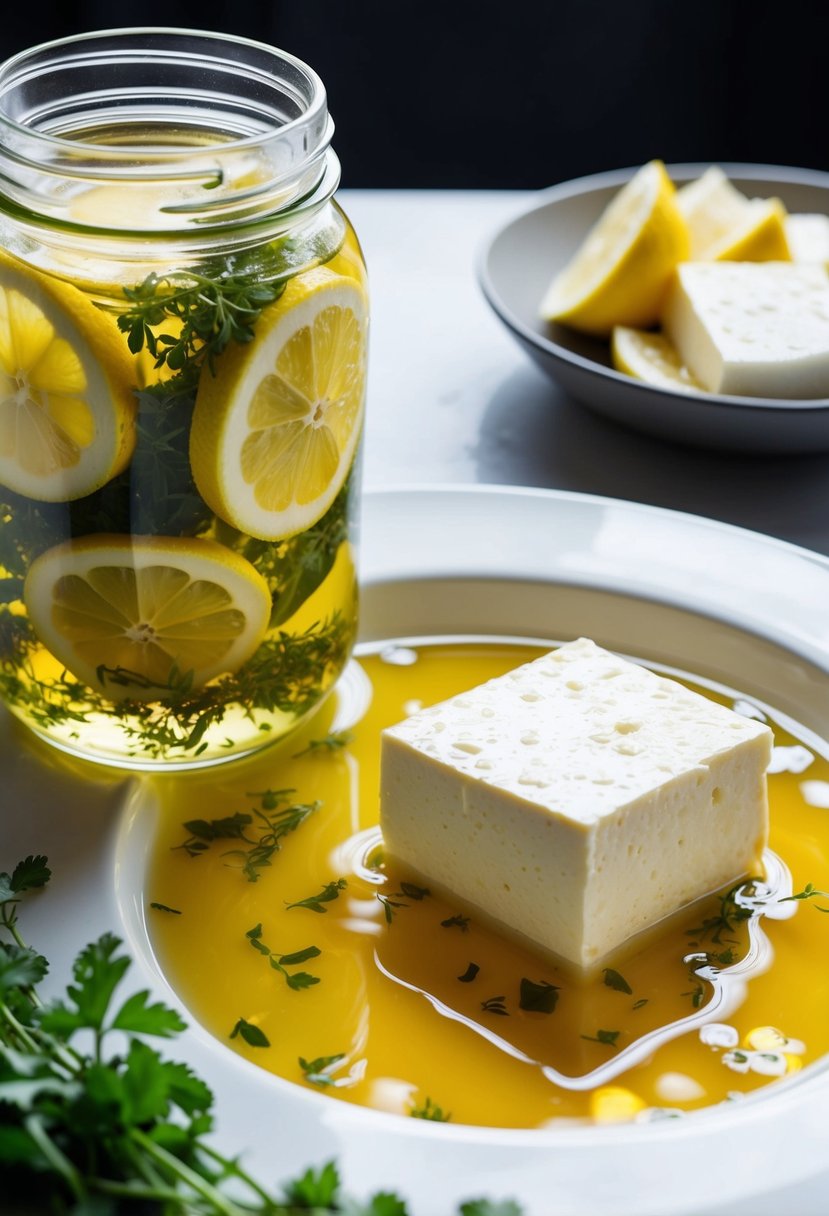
725 226
275 430
67 410
651 357
620 273
130 616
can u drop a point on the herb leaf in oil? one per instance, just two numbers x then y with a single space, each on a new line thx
316 903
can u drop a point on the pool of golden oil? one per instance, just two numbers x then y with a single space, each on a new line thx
428 1010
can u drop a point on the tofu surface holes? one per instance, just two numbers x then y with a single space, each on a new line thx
577 800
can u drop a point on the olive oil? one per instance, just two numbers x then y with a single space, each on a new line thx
407 997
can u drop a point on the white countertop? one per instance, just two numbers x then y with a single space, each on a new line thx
452 398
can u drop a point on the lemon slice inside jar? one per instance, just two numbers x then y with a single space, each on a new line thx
133 617
275 429
67 410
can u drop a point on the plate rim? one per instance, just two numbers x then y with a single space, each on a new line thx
615 178
508 1158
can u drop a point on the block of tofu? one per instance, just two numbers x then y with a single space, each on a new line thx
577 800
808 237
752 329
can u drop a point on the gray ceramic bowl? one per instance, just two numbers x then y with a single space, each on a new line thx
518 263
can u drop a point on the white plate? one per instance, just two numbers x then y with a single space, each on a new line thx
743 609
520 260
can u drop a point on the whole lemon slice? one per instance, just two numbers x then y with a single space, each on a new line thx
275 430
67 410
651 357
131 616
620 273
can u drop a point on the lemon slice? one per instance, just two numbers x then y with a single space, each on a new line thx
275 430
67 410
620 273
129 615
651 357
725 226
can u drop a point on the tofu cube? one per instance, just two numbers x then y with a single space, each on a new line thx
577 800
752 329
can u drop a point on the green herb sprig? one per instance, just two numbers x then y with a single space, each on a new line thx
431 1111
87 1129
316 903
297 980
810 891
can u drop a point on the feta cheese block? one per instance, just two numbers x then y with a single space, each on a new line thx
808 237
577 800
752 329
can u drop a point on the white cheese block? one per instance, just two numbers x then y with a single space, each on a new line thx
577 800
752 329
808 237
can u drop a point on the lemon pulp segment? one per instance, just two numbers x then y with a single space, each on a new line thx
66 404
653 358
124 614
275 430
724 225
621 271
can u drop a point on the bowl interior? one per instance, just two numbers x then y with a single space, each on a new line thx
528 252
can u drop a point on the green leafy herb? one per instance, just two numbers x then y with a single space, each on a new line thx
252 1035
809 892
317 1071
737 905
431 1111
616 981
316 903
390 907
721 958
607 1037
456 922
209 310
331 743
470 973
165 908
202 832
640 1004
296 980
495 1004
696 992
538 998
486 1207
411 891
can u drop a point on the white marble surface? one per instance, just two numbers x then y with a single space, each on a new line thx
452 398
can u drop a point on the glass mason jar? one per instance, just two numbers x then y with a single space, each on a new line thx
183 320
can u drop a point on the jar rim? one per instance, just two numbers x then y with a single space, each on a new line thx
16 66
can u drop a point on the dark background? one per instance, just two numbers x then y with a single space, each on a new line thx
522 93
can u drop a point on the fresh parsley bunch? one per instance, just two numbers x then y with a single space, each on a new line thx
96 1122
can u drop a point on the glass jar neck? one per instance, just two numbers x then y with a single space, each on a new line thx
151 140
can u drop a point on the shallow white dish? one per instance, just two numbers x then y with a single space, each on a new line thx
730 605
519 261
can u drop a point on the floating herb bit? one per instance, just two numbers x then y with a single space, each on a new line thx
165 908
470 973
252 1035
616 981
390 907
202 832
640 1003
410 891
317 1071
431 1111
331 743
606 1037
296 980
316 903
538 998
809 892
738 904
495 1004
456 922
696 992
